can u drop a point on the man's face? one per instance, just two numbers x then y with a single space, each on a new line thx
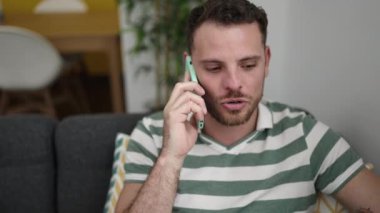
231 64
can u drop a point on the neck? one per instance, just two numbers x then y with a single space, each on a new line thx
228 135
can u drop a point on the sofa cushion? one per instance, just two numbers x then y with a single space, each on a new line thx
118 172
84 147
27 164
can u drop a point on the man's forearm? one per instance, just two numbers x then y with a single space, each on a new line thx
159 190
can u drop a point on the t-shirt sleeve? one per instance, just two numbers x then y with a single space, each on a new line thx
333 161
141 154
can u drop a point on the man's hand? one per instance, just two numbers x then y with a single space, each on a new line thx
180 134
158 192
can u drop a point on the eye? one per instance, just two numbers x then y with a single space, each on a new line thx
249 66
213 69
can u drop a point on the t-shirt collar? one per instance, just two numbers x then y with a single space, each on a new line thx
265 119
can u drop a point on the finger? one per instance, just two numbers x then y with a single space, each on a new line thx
190 107
187 97
182 87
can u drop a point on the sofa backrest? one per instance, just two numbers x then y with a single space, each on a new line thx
84 153
27 174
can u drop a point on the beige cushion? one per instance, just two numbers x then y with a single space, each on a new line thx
118 173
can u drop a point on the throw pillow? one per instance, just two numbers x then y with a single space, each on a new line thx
118 172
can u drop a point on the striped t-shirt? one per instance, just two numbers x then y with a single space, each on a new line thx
277 168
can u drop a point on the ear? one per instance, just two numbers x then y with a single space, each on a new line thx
267 59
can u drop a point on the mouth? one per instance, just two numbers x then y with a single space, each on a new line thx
234 104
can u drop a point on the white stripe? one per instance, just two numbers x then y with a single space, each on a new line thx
277 142
315 135
278 116
244 173
137 158
147 121
121 135
202 150
264 119
157 141
134 177
339 148
145 140
213 145
343 177
272 143
205 202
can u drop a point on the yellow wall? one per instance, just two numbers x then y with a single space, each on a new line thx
102 5
96 62
18 6
26 6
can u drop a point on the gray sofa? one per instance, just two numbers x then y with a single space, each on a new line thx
50 166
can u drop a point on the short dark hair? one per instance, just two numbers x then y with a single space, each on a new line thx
226 12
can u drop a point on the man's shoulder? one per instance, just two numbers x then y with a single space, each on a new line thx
282 108
159 115
154 119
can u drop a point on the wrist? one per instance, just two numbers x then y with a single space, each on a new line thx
167 160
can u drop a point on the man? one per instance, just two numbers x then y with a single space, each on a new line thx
252 155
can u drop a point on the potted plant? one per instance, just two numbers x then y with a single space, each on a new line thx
159 27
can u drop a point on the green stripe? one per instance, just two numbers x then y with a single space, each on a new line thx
308 124
116 156
137 168
247 159
284 124
114 170
156 130
262 135
283 206
276 106
323 148
119 142
157 116
237 188
279 107
138 148
112 183
140 126
337 168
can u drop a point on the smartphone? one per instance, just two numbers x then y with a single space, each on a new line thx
193 77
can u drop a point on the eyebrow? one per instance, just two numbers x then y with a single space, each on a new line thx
207 61
248 58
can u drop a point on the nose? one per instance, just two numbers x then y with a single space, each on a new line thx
232 80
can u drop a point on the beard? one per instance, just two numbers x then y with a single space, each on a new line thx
230 117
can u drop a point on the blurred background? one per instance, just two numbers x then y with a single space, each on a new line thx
119 57
86 34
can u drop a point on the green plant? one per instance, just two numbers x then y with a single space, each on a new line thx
159 26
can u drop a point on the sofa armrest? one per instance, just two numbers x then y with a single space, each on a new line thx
84 149
27 174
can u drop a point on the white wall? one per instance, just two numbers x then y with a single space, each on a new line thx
139 89
326 58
